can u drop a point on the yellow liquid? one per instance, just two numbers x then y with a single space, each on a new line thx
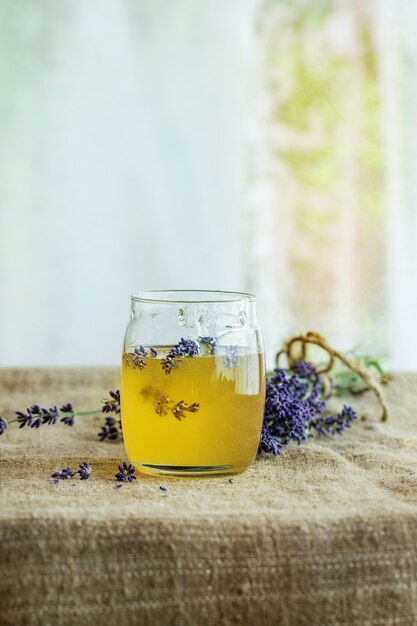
220 434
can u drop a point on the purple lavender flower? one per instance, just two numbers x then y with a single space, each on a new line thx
84 471
109 430
112 404
51 416
64 474
231 357
67 408
35 416
22 418
292 400
294 407
136 358
69 418
3 425
126 472
306 370
184 348
209 344
335 425
153 352
163 488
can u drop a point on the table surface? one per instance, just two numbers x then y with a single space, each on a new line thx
324 534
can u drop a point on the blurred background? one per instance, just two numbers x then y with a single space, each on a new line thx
260 145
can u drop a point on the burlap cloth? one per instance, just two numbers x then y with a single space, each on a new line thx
325 534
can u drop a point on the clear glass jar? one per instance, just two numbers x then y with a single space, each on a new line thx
193 383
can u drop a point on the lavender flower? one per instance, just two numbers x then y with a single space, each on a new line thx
167 364
294 407
163 488
109 430
184 348
3 425
333 425
68 420
162 404
153 352
84 471
136 358
231 357
35 416
209 344
126 473
64 474
112 404
50 417
67 408
181 406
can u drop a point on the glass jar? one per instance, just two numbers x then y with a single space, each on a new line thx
193 383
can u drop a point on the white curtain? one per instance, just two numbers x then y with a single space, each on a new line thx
333 196
121 165
263 145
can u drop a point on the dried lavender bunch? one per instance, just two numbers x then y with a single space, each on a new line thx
294 408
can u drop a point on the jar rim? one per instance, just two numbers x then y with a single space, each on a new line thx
196 296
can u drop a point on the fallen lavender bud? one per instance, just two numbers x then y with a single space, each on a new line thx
85 470
126 472
64 474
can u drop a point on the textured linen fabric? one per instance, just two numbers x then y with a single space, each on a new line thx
325 534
